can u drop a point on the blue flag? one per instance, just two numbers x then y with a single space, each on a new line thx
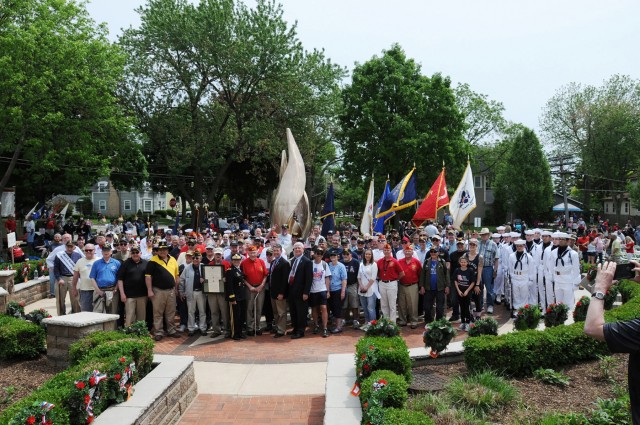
383 204
402 196
177 223
328 213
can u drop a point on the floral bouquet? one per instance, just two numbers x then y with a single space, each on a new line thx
528 317
37 315
383 327
582 306
16 309
122 376
40 413
556 315
610 297
486 326
437 335
26 270
365 364
86 400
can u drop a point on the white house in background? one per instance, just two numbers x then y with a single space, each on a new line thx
111 202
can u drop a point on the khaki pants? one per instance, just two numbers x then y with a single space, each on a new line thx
61 290
280 314
219 310
408 304
108 303
164 308
254 309
135 309
388 298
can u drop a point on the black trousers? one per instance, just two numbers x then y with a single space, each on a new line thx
237 312
429 297
298 310
267 310
465 303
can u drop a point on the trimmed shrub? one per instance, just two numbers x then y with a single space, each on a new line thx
140 349
79 350
382 353
485 326
406 417
520 353
388 388
20 339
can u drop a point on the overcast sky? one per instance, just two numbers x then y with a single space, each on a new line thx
518 53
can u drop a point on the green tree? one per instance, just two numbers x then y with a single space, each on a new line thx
523 179
483 118
61 126
213 87
394 117
600 127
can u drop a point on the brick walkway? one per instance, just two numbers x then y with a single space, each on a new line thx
281 410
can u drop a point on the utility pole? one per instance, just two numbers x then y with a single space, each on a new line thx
561 162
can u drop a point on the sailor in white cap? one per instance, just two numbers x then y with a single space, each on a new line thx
538 258
500 229
564 265
537 233
522 273
501 286
530 248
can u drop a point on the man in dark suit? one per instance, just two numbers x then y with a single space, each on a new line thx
279 287
300 279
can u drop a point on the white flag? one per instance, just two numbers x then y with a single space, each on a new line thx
64 211
367 216
463 200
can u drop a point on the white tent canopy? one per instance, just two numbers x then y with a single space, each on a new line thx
572 208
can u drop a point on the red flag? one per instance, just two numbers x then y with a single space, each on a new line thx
436 198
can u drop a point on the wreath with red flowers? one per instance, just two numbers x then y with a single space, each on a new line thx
556 315
366 363
86 399
580 312
40 412
122 376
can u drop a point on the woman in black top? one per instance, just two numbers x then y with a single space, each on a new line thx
475 264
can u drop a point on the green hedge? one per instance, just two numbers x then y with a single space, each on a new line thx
389 354
395 416
392 394
98 352
20 339
520 353
34 265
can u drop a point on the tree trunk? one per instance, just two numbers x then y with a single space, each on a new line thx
12 164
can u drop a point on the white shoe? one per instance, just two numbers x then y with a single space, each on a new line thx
490 309
182 328
498 298
356 324
467 326
462 327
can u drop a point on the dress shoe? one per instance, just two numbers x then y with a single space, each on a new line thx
278 335
190 333
158 337
259 332
216 334
175 335
251 333
296 336
203 333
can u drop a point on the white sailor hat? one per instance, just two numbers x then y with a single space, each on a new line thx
546 233
227 232
515 234
188 231
528 232
560 235
496 235
536 230
520 242
500 228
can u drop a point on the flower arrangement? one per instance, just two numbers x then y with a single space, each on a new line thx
610 297
527 317
40 412
85 395
122 376
37 315
16 309
365 364
485 326
582 306
26 270
437 335
383 327
556 315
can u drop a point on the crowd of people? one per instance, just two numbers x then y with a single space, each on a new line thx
323 282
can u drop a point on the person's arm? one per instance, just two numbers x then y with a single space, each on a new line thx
594 324
123 297
74 283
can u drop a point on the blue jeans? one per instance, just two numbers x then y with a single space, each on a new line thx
368 305
487 282
86 300
52 283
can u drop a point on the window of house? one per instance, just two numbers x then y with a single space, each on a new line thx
102 205
626 207
487 182
127 205
613 207
478 181
102 187
146 205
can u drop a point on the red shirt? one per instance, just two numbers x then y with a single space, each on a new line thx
583 241
254 271
388 269
411 270
10 225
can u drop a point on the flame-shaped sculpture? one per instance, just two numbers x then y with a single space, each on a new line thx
290 203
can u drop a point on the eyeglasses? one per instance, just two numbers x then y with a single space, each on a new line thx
135 252
88 250
269 253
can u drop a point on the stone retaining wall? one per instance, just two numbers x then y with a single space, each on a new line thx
161 398
29 292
